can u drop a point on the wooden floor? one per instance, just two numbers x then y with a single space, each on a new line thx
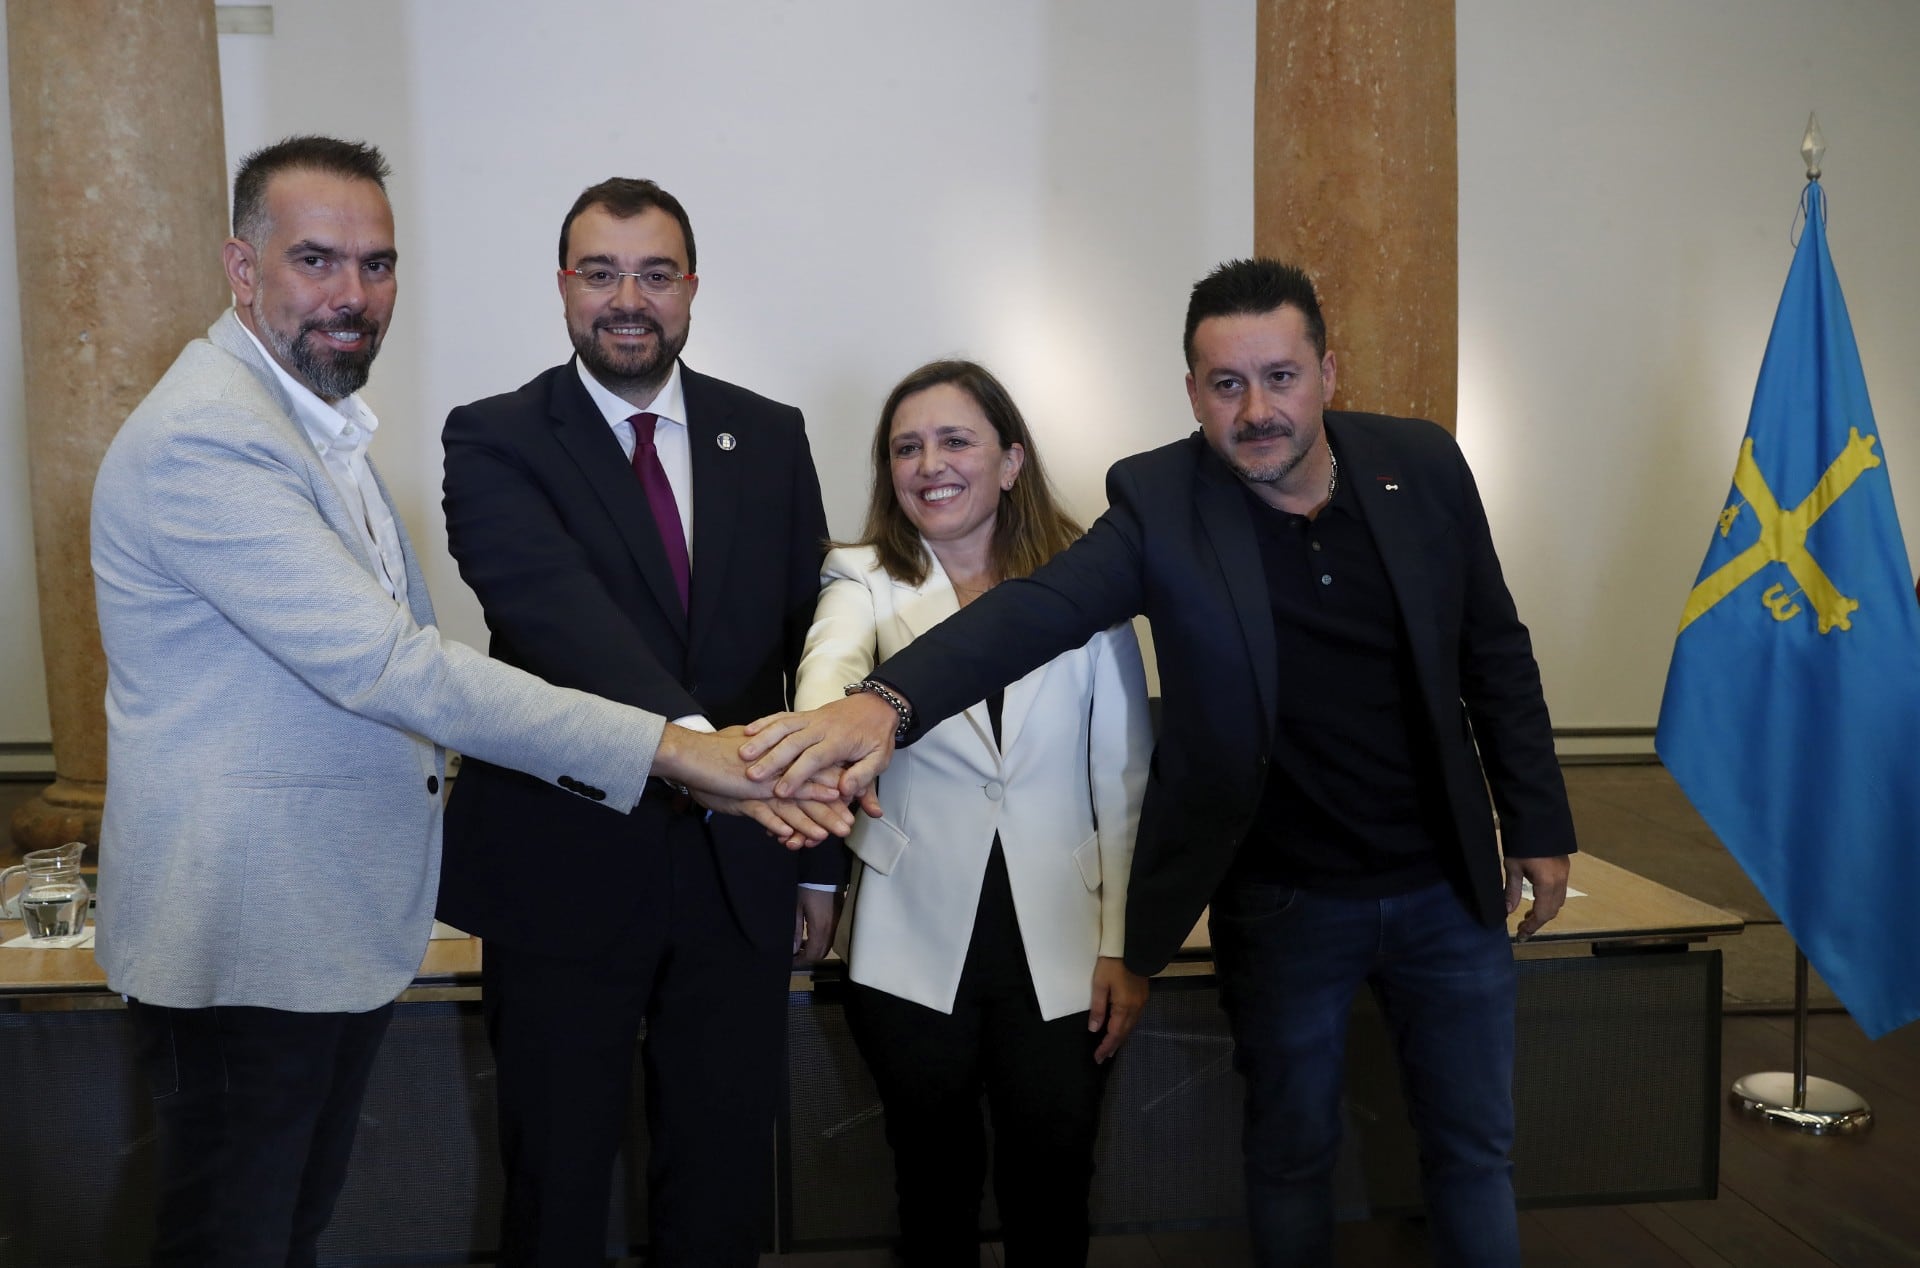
1786 1200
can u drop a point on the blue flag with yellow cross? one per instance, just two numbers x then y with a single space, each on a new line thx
1792 709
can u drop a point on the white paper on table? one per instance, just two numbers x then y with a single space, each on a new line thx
1526 891
26 943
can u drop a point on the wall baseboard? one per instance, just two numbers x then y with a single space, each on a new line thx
26 760
1605 746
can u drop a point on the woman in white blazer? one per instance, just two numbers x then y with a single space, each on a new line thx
984 922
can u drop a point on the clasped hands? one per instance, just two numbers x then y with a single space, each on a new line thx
798 775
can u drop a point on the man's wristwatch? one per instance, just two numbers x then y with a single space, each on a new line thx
893 698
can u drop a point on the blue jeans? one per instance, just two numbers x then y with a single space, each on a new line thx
1289 963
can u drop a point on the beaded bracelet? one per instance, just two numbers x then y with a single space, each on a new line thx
892 697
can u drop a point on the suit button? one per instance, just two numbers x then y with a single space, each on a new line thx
995 790
433 784
597 794
568 782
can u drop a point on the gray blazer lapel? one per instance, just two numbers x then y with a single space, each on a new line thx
228 335
1222 507
584 434
231 337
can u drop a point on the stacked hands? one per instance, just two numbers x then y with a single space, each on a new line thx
798 775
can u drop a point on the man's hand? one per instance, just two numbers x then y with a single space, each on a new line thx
1548 875
797 825
813 920
791 748
705 762
711 763
1118 996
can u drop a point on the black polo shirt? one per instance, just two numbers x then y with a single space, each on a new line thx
1353 803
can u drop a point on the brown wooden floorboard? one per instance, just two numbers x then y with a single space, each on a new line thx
1739 1232
1606 1237
1693 1249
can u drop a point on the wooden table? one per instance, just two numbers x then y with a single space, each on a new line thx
63 971
1616 907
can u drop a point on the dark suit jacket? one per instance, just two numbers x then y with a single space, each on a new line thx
1177 544
551 529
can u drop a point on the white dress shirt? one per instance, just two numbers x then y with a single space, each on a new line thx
341 433
669 408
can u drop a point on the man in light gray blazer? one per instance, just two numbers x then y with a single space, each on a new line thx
277 702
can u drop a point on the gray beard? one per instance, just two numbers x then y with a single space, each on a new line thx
330 376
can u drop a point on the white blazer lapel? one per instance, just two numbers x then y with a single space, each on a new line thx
1018 702
925 606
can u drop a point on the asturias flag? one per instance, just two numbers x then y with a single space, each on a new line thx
1792 710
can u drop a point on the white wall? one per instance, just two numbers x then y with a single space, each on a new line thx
871 185
874 183
1629 174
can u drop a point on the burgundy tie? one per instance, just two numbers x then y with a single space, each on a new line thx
666 512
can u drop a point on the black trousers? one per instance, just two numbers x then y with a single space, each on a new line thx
563 1032
1041 1086
256 1110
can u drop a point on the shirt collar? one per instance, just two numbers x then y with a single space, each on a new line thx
346 426
668 405
1346 498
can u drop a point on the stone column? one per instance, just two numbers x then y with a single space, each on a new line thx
1356 179
119 187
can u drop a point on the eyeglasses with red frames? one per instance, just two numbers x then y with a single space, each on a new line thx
652 281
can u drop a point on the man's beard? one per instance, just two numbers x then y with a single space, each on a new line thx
1275 470
620 372
332 374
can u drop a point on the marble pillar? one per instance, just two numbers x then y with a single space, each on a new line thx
1356 179
119 187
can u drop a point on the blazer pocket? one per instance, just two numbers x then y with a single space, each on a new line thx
1087 856
878 844
289 779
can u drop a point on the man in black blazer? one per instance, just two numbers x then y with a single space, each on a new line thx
654 536
1344 680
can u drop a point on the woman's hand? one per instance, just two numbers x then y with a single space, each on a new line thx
1119 995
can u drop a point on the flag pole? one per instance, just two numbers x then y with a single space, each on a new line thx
1819 1107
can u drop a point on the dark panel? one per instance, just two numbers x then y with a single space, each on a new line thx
1618 1095
76 1142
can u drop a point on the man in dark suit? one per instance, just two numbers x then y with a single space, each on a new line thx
654 536
1344 679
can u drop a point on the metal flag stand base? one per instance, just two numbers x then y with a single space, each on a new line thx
1819 1107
